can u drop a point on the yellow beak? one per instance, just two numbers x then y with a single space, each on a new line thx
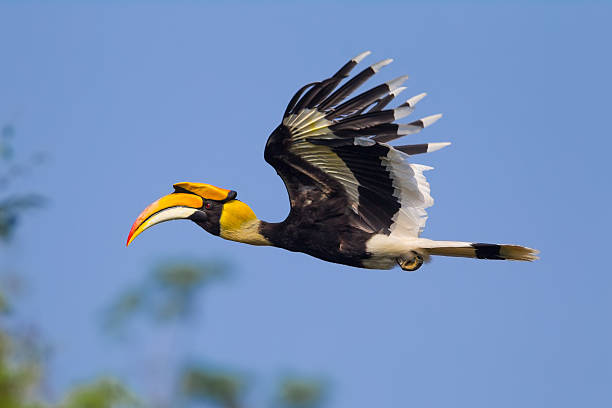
171 207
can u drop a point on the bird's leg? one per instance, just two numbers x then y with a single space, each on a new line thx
410 263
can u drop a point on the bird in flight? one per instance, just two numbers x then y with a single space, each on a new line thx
355 199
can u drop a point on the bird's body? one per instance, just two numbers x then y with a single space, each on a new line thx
355 199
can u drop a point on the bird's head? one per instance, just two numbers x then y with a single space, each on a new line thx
213 208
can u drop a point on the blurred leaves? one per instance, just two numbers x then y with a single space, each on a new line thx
168 294
6 134
17 377
12 204
228 389
11 209
301 393
5 306
21 369
104 393
221 388
177 285
21 352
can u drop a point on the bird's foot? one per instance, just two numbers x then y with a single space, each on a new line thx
410 263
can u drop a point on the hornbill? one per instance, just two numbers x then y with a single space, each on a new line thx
355 199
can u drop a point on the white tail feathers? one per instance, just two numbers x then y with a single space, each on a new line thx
481 251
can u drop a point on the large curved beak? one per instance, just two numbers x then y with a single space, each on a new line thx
171 207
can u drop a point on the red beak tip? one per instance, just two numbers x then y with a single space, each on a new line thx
127 243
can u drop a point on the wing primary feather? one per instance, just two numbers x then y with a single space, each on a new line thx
364 121
380 103
410 103
305 101
376 67
372 118
366 98
415 99
401 112
352 84
360 57
384 101
430 120
383 129
407 129
296 98
332 83
421 148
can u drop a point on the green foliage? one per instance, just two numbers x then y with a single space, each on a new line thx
301 393
17 378
6 135
123 308
21 372
104 393
177 285
221 388
167 294
12 205
228 389
5 306
21 355
11 209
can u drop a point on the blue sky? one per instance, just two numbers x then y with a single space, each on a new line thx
128 99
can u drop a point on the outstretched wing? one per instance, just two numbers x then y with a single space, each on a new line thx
327 148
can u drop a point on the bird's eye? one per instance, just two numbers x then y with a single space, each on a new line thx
208 206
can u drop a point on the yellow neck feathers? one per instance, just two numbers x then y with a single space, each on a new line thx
239 223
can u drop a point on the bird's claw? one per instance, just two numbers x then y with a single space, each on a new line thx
411 263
